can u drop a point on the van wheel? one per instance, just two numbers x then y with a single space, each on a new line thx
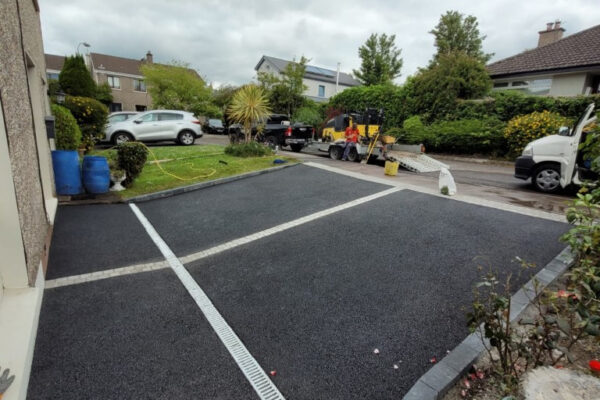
335 152
546 178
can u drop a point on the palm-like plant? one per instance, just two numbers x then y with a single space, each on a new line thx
249 106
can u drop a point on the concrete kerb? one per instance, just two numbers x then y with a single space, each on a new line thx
436 382
202 185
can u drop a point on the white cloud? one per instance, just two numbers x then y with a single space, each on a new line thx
224 40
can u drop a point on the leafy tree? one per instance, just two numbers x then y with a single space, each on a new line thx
380 60
454 76
456 32
285 92
176 86
311 113
248 107
222 98
75 79
104 94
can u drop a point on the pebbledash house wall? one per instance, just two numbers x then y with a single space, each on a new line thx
24 106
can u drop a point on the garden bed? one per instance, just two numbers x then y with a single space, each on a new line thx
169 167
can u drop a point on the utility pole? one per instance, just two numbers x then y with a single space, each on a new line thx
337 78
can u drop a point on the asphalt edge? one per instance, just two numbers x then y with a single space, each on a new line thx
202 185
436 382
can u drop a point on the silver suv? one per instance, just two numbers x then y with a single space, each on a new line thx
157 125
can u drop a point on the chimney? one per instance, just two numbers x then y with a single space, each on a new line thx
553 33
149 57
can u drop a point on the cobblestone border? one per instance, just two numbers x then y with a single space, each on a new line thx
202 185
436 382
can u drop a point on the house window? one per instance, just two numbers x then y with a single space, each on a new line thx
52 75
114 82
114 107
139 85
139 108
535 86
321 91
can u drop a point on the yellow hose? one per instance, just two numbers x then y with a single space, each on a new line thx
214 171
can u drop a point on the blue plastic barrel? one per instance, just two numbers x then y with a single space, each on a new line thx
96 175
67 175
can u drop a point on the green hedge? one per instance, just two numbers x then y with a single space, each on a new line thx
505 105
399 104
466 136
67 132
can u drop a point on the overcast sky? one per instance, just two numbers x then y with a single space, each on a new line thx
223 40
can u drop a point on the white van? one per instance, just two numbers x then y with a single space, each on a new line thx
554 161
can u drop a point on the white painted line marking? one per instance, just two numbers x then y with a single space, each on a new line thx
257 377
465 199
98 275
285 226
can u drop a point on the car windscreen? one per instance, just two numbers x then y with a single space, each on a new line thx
217 123
117 118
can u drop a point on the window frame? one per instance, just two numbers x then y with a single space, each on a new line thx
111 84
140 83
322 95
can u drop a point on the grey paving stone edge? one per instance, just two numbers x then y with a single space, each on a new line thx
184 189
436 382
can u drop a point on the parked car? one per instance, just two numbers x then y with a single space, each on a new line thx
121 116
276 131
157 125
215 126
555 161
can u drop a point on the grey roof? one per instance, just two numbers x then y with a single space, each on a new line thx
579 50
313 72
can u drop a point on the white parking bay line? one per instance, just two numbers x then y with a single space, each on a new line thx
257 377
285 226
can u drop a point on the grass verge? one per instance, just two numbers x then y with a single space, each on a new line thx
181 166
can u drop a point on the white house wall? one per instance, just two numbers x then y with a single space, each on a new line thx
312 85
568 85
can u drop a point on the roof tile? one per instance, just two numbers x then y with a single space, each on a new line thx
578 50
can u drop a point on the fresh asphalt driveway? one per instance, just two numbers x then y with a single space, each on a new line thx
312 271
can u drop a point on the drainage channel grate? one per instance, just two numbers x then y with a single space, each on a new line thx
257 377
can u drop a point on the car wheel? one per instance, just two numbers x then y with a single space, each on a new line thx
353 155
335 152
186 138
546 178
296 147
121 137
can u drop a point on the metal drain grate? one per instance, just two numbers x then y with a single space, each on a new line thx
257 377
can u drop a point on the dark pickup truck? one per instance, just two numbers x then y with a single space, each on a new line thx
276 131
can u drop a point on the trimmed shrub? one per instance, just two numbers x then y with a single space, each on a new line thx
67 132
91 115
466 136
252 149
523 129
131 157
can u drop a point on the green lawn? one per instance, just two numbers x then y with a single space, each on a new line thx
180 166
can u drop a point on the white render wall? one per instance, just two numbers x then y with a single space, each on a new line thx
568 85
312 85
